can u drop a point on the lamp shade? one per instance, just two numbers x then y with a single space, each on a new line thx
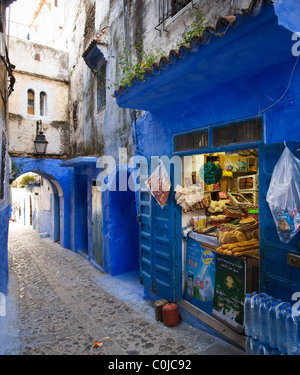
40 144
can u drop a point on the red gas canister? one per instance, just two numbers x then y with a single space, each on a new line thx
171 315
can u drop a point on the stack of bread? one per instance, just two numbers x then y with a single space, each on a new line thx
242 242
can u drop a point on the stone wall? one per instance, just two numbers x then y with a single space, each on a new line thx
5 207
129 23
42 70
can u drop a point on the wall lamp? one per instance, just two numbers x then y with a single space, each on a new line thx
40 142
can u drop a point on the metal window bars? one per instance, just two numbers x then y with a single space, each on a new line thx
168 8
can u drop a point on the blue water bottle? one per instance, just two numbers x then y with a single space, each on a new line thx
263 321
281 329
255 318
272 326
292 333
247 315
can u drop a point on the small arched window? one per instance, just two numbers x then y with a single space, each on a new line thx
43 104
30 102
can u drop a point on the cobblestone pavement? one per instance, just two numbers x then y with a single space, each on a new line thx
62 304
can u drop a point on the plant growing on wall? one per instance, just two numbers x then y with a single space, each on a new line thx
196 28
131 68
16 169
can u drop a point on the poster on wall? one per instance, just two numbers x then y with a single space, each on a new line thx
199 276
230 286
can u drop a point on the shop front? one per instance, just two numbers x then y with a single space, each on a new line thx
214 122
220 221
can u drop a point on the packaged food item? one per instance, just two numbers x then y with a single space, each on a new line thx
201 222
159 185
195 221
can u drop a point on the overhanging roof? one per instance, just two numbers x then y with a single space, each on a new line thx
245 44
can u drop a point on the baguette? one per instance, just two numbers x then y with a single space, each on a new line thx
243 249
250 252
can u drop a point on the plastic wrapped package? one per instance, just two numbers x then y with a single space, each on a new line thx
159 185
283 196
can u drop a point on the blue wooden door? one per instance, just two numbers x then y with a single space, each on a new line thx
160 250
279 262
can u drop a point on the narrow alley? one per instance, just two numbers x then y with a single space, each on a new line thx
58 303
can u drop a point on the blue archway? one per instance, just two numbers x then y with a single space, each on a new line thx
59 179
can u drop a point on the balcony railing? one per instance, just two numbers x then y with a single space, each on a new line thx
168 8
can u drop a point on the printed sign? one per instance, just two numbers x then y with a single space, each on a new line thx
200 276
230 287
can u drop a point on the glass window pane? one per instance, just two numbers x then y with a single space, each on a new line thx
30 102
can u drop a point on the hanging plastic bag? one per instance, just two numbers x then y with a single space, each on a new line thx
283 196
159 184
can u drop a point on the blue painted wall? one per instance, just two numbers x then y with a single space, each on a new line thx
51 169
249 72
236 100
120 227
4 225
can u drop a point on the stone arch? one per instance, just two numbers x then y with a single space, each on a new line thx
59 180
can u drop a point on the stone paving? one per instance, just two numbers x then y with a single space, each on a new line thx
59 303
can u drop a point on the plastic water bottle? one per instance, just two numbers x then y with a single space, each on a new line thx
275 351
247 315
279 302
292 333
263 321
255 346
263 349
263 295
249 346
272 326
270 300
298 323
281 329
255 318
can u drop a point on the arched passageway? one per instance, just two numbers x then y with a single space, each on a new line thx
50 216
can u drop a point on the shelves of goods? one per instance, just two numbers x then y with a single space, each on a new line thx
236 229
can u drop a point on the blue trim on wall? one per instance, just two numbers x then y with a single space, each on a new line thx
4 225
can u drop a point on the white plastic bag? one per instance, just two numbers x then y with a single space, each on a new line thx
283 196
159 185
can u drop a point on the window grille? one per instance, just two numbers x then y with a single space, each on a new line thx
191 141
168 8
242 132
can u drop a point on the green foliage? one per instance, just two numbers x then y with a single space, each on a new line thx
16 169
27 179
130 69
196 28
